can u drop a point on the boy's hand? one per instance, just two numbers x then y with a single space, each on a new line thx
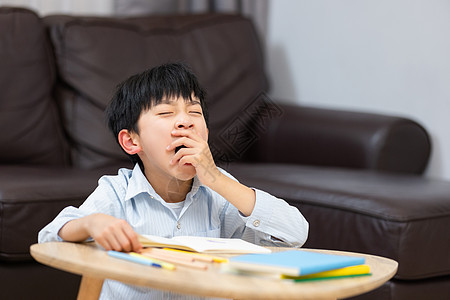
112 233
196 153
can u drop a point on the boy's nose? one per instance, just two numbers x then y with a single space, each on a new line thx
184 123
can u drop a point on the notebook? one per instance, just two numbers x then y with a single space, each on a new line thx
352 271
292 262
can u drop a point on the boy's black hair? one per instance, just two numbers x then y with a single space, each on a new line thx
142 91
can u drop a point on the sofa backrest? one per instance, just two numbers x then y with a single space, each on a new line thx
94 54
31 130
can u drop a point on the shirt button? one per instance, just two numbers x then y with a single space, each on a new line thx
178 225
256 223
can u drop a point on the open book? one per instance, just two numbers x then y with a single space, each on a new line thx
202 244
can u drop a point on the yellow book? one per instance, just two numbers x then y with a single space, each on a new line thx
359 270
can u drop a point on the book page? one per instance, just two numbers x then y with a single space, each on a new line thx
203 244
159 241
215 245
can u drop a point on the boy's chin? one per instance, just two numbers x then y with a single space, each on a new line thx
185 172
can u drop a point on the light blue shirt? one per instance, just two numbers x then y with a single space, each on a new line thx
130 196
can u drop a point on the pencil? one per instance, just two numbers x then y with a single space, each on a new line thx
200 256
165 265
176 260
163 253
140 260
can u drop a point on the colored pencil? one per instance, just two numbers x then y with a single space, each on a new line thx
176 260
200 256
140 260
165 265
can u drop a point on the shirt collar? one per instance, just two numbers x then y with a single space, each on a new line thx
138 184
196 184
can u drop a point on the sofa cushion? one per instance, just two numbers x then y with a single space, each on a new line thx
31 133
31 197
94 55
403 217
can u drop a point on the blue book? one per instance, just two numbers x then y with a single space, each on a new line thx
292 262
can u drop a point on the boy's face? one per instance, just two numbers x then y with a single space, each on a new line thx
157 130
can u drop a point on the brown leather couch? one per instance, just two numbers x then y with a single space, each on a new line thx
355 176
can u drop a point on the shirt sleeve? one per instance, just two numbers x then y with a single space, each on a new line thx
104 199
273 222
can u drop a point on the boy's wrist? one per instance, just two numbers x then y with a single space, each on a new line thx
239 195
211 177
75 230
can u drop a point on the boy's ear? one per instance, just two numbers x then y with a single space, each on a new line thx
129 142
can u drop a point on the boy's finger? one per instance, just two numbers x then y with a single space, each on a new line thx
104 243
124 236
117 241
182 153
132 236
122 241
187 160
183 141
187 133
136 246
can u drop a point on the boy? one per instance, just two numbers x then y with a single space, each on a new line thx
159 118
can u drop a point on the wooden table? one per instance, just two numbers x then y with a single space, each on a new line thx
95 265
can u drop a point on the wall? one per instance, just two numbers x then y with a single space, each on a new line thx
387 56
45 7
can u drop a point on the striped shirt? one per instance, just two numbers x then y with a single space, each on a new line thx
130 196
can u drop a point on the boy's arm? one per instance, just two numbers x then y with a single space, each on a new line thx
273 222
96 218
270 219
239 195
110 232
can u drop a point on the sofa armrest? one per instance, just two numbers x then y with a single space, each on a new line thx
325 137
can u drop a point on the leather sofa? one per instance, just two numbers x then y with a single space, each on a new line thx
357 177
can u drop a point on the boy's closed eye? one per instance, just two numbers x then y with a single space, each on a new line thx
164 113
198 112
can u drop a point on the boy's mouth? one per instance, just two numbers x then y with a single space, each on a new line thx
179 147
